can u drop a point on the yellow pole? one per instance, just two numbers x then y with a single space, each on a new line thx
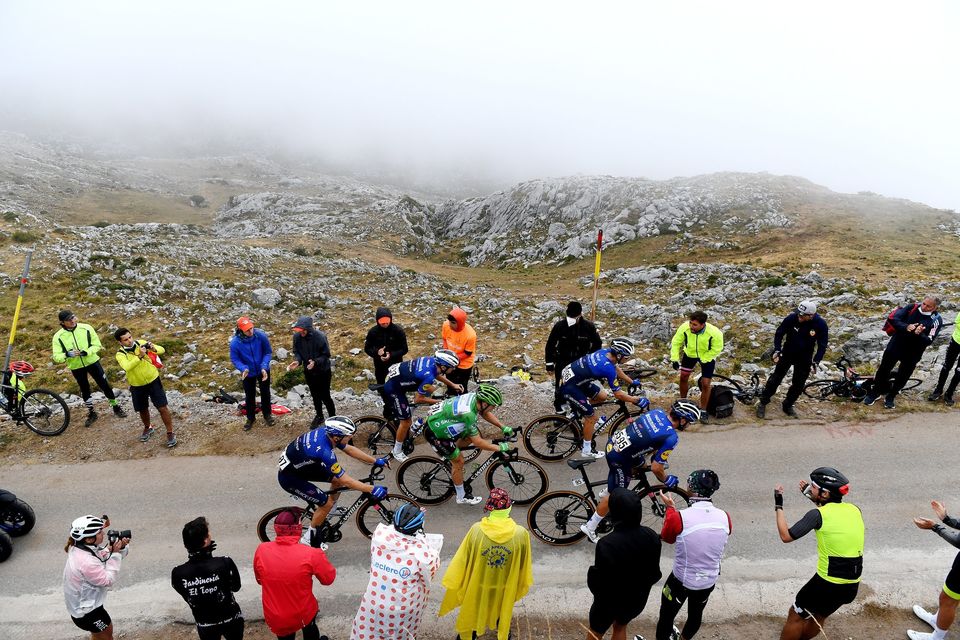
596 275
16 313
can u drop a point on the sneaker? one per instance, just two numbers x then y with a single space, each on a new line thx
761 410
590 533
248 425
675 634
790 411
935 395
591 454
119 412
948 401
399 456
91 418
171 442
469 500
919 635
146 434
889 403
316 422
926 616
869 399
704 417
269 420
639 637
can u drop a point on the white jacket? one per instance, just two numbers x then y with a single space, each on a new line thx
87 577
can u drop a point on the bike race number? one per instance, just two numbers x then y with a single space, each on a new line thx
283 462
567 374
620 440
393 371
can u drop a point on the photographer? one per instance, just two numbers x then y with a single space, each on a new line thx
138 359
207 584
92 568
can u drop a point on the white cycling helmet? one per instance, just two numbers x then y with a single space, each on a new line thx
447 358
807 308
686 410
86 527
340 426
622 346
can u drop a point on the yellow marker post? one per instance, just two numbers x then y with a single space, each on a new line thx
16 312
596 274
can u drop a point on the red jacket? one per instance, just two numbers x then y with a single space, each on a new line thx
285 569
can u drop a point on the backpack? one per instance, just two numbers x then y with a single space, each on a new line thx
721 402
888 327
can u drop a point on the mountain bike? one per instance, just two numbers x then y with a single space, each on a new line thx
747 394
428 480
370 513
850 384
43 411
555 517
555 437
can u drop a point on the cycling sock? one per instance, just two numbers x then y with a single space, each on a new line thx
594 521
461 493
398 446
587 446
939 634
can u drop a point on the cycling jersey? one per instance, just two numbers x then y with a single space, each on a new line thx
454 418
311 457
594 366
411 374
652 431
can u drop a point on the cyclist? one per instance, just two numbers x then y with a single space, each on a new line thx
311 458
415 374
653 432
840 532
581 388
453 423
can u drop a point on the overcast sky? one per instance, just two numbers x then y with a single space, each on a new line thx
854 95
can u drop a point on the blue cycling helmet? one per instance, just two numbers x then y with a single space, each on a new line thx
408 519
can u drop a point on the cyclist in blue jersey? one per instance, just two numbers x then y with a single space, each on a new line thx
311 458
653 432
415 375
581 388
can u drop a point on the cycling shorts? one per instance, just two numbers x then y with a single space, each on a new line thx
620 471
822 598
447 449
706 368
951 586
303 488
578 396
95 621
396 405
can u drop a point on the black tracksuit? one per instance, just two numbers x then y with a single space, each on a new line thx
565 344
904 347
392 339
796 341
313 345
207 584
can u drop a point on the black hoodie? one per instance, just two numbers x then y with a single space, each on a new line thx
627 562
392 338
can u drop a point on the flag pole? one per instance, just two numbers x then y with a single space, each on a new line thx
16 313
596 275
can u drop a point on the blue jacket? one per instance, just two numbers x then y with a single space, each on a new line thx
253 353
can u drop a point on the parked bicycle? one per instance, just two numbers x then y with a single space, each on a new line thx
850 384
747 394
428 480
555 437
555 517
369 512
43 411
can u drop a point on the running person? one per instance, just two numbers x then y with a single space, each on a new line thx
415 374
453 424
311 458
840 532
653 432
581 388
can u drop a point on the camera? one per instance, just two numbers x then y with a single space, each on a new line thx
113 535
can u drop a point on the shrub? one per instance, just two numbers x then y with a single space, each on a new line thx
771 281
10 216
301 251
100 224
290 379
24 237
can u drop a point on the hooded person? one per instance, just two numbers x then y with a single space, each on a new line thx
285 569
490 572
386 343
403 562
312 351
459 337
250 352
571 337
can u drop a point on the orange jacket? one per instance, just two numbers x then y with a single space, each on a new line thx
460 341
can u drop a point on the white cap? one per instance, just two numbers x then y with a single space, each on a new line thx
807 308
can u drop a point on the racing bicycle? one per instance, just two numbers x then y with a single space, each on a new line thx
555 517
369 511
43 411
747 394
850 384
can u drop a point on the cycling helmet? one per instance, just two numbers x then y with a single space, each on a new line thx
408 519
86 527
622 346
703 482
340 426
21 367
685 410
830 479
489 394
447 358
807 308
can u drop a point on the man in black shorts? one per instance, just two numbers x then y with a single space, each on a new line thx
840 532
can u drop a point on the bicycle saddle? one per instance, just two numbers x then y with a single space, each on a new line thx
576 464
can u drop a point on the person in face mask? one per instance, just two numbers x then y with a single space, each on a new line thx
915 328
571 338
207 584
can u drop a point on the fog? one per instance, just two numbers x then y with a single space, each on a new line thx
854 95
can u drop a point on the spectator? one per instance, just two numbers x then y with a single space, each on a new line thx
700 532
285 569
953 350
386 344
92 568
207 584
310 349
459 337
915 327
631 549
571 338
696 341
491 570
79 346
950 594
136 357
250 352
800 342
403 561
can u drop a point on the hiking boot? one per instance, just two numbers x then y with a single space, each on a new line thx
469 500
761 410
171 441
119 412
269 420
146 434
248 425
91 418
590 533
889 403
869 399
935 395
790 411
316 422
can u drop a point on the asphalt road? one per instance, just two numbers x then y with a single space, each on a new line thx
895 468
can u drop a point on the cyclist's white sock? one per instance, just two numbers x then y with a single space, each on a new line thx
587 446
594 521
461 493
397 447
939 634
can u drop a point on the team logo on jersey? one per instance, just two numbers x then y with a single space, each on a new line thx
812 333
336 469
666 454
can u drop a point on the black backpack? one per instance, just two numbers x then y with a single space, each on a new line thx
721 401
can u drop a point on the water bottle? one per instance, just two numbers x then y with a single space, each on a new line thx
417 428
602 421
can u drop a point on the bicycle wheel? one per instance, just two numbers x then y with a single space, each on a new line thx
912 383
425 480
551 437
44 412
374 434
265 526
17 518
555 517
6 546
655 507
523 479
373 513
820 389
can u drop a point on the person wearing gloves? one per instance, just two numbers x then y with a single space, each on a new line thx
312 351
459 337
403 562
489 573
696 341
800 342
386 344
78 345
942 619
250 352
92 567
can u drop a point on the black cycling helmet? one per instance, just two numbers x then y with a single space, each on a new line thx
408 519
703 482
830 479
